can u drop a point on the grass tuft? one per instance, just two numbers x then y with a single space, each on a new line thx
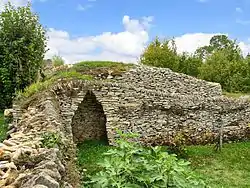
234 95
3 128
90 153
225 169
41 86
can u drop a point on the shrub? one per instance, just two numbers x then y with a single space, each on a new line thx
131 165
22 49
57 61
161 54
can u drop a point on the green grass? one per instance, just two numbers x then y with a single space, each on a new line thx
85 70
3 128
225 169
234 95
101 67
101 64
89 154
41 86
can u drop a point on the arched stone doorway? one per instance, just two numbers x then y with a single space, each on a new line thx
89 121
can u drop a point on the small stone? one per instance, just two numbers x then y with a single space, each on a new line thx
40 186
10 165
46 180
8 143
8 112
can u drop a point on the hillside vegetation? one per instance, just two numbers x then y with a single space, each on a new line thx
85 70
221 61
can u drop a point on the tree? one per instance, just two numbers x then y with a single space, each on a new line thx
22 49
161 54
189 64
220 42
221 68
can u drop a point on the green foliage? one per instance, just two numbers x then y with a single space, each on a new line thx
221 61
228 168
95 64
131 165
70 74
178 145
189 64
44 85
3 128
57 61
230 73
22 48
161 54
86 66
51 140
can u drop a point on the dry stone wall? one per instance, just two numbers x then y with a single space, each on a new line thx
157 103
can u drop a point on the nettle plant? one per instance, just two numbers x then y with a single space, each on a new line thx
131 165
51 140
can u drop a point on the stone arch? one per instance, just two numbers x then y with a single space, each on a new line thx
89 120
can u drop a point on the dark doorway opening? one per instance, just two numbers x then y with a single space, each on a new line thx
89 121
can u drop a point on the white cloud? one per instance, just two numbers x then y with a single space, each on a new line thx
16 3
243 22
245 47
123 46
238 9
191 41
83 7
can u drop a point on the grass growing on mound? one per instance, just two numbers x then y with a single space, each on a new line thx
3 127
82 71
234 95
96 67
225 169
41 86
101 64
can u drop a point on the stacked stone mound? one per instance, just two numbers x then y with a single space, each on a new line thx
23 161
162 106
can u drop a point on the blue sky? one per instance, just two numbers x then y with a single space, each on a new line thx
131 24
171 17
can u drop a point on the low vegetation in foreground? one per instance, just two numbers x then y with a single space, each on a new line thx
226 169
131 165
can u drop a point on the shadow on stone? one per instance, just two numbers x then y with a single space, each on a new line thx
89 121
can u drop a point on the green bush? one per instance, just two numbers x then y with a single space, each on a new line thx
161 54
131 165
221 61
22 49
57 61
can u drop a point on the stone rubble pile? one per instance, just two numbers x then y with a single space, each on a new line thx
23 161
